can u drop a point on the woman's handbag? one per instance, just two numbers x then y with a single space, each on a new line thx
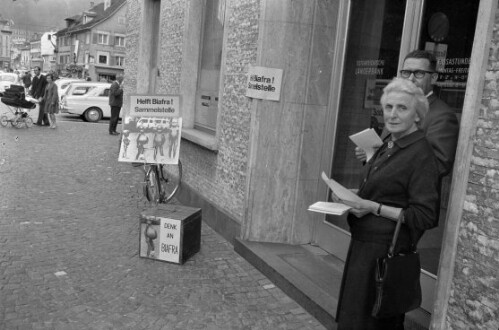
398 289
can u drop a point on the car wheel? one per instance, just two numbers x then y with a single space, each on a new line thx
93 115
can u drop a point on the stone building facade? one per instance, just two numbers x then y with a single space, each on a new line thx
256 173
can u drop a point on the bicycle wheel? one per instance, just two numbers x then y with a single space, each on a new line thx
170 179
4 121
151 187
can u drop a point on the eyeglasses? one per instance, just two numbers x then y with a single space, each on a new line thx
417 73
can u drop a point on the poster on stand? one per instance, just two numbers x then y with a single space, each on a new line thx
151 132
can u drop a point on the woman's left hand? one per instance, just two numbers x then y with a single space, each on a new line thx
361 207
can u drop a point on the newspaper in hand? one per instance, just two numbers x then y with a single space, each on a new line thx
368 140
341 192
329 208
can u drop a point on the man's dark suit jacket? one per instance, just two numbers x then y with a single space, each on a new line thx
442 130
115 95
38 86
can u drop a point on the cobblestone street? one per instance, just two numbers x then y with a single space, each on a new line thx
69 259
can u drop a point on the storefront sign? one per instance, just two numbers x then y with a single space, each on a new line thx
370 67
155 105
452 72
151 132
264 83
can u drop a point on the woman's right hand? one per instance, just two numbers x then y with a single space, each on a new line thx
360 154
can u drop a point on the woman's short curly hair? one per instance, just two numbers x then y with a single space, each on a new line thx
408 87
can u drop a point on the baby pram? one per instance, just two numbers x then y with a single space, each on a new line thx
15 99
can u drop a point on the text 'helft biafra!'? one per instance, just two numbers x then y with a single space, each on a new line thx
261 83
154 101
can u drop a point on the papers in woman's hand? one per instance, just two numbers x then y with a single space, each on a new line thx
368 140
341 192
329 208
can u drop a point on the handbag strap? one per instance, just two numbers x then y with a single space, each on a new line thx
396 234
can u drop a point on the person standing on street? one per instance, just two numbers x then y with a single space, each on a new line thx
26 78
37 91
51 99
399 182
116 102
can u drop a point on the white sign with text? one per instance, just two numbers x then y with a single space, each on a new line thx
169 240
155 105
264 83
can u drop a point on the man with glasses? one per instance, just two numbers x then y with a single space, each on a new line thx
37 91
440 124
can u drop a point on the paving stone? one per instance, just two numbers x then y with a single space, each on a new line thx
69 223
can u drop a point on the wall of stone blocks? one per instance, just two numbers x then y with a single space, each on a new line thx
218 176
133 14
474 300
221 177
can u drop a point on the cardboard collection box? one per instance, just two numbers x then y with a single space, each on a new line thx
170 233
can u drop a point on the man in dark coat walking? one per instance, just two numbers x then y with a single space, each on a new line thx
37 91
116 102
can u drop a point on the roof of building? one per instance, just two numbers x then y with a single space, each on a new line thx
97 12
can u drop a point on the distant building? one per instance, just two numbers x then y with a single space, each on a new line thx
5 43
36 51
48 44
93 43
21 35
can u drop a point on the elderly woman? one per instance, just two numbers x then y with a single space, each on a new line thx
401 179
51 98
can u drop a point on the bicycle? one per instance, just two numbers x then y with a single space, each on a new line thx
161 181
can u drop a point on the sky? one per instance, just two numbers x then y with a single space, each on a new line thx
42 15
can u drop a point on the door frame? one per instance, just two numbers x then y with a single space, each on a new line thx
441 285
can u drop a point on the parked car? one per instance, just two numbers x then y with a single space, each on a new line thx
7 79
90 100
63 84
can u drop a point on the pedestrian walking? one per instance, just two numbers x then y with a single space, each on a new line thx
401 181
116 102
26 79
51 99
37 91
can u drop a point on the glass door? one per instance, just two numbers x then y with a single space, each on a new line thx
379 35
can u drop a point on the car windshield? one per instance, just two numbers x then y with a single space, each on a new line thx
6 77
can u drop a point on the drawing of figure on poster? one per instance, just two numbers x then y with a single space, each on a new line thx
140 142
158 141
174 139
149 234
125 142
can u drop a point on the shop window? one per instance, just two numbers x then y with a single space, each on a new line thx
206 110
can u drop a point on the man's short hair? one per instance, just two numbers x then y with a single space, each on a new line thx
424 54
